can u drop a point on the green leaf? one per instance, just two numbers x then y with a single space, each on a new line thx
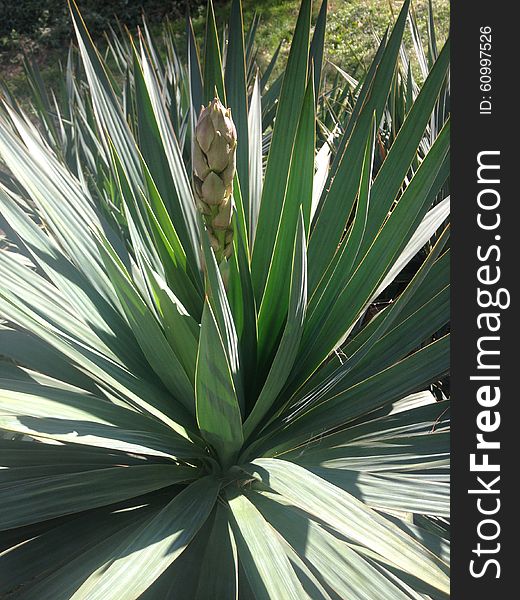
218 576
396 493
242 301
250 38
362 95
322 163
147 552
34 291
414 331
317 47
184 573
390 177
151 144
265 563
180 328
236 94
415 414
138 229
340 269
216 293
289 344
52 563
170 250
338 565
424 232
349 517
195 72
298 197
183 206
310 583
73 415
242 236
60 202
401 454
110 377
100 435
428 297
149 335
277 170
339 201
414 372
107 110
45 498
218 411
432 41
21 348
264 80
332 323
213 78
255 158
404 337
90 305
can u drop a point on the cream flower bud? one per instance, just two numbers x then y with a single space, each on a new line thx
214 164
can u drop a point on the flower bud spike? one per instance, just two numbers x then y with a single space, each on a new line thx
213 172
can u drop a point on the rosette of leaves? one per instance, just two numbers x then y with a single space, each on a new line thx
166 436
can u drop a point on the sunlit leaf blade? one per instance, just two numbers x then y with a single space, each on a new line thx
316 50
218 411
386 184
157 153
170 250
405 377
265 563
350 517
213 77
106 374
255 158
71 281
241 299
180 328
149 335
287 116
236 94
347 573
50 409
298 198
339 201
30 501
340 269
59 200
52 566
336 322
185 211
149 550
194 73
371 340
107 110
289 343
217 297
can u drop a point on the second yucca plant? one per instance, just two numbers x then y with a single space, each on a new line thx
198 397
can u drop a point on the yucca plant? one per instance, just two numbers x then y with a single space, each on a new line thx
197 398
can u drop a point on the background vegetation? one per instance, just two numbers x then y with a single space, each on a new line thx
42 28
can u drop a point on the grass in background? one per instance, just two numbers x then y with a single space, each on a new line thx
353 26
